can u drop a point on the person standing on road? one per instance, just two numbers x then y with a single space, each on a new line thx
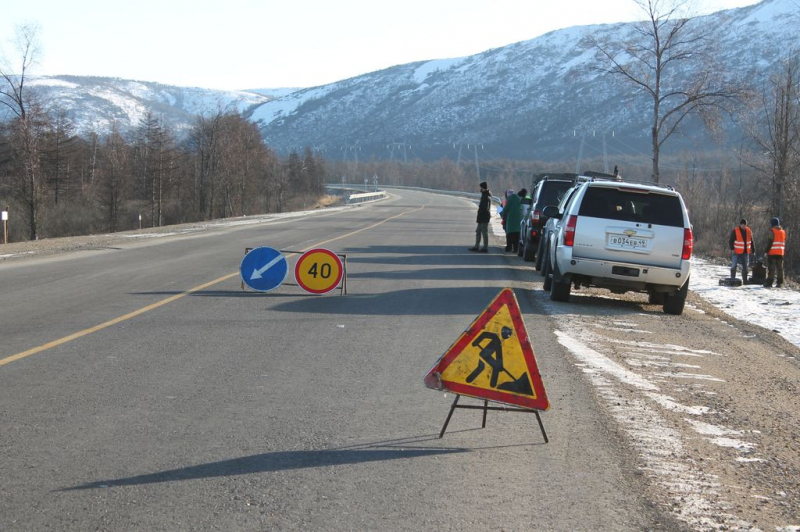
512 215
484 215
776 247
742 245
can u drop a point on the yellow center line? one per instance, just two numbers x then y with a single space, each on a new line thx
148 308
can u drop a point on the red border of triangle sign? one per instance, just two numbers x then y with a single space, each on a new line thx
493 359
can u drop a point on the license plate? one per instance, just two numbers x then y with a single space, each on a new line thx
627 242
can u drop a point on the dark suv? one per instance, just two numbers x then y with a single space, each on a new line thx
546 189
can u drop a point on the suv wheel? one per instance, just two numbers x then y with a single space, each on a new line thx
673 304
539 253
546 272
560 287
529 253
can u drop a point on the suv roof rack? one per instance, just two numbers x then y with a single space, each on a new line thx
590 173
555 175
599 176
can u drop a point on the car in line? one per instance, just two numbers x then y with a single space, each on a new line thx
546 189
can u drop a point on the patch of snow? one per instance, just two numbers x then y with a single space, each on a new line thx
708 429
426 69
670 404
776 309
735 444
597 361
697 376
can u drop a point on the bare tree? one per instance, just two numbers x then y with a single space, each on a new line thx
27 125
778 134
114 175
670 59
58 150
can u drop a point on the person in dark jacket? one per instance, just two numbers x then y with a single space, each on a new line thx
484 215
742 245
776 248
512 216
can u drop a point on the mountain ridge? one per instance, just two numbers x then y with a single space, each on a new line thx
530 99
534 99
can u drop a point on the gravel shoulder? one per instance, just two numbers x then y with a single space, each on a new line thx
708 404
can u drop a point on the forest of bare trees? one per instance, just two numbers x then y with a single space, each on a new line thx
58 184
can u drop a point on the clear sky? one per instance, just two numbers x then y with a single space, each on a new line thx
246 44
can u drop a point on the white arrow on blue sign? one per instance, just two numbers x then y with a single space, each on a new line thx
263 269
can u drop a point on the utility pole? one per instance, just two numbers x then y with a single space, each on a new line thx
355 148
474 147
394 145
391 147
477 166
580 154
458 160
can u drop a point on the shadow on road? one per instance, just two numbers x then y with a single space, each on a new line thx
270 462
410 302
594 302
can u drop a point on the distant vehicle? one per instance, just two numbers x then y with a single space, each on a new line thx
546 190
623 236
550 226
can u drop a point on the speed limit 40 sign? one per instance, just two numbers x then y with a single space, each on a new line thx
318 271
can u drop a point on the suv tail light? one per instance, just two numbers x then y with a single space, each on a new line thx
688 244
569 231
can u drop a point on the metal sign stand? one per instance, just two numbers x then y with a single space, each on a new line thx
485 409
343 256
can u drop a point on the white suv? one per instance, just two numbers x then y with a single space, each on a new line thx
623 236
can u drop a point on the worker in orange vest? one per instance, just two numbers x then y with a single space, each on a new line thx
776 247
742 245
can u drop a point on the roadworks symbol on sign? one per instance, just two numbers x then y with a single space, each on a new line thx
493 359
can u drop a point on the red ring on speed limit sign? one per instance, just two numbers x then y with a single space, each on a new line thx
318 271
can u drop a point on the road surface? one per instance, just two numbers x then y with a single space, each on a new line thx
143 389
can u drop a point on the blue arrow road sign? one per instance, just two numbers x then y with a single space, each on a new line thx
263 269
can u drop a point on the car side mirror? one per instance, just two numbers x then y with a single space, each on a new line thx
551 211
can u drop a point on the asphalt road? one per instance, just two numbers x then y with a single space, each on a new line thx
143 389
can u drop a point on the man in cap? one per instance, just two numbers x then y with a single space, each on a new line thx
741 244
776 247
484 215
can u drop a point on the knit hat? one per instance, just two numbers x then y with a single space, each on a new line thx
522 193
774 222
743 221
483 184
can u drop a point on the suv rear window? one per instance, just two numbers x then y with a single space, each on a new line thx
629 206
553 191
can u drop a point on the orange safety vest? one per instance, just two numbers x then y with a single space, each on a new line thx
778 242
740 244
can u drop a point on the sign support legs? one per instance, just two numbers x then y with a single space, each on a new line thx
485 407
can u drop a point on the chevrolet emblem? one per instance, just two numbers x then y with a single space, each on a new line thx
629 232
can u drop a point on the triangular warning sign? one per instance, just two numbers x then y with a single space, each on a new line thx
493 359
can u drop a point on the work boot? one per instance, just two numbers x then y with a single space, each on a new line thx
473 249
779 284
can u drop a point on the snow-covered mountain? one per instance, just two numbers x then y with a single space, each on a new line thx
540 98
532 99
94 103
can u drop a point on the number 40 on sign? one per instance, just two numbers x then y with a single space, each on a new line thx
318 271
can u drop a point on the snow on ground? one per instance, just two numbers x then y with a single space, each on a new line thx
777 309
